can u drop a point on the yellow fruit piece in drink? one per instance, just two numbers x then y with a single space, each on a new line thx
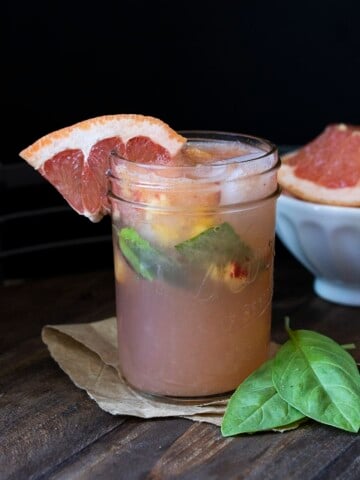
201 225
197 155
167 233
170 230
119 266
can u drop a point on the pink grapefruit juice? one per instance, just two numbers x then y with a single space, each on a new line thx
193 254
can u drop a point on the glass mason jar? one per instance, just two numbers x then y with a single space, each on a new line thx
193 256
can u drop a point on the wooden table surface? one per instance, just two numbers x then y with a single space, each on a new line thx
51 429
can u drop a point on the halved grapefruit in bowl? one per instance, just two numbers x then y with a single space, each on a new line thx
318 214
327 169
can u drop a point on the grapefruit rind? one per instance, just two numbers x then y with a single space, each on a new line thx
312 192
85 134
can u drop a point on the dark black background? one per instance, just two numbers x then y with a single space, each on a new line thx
279 69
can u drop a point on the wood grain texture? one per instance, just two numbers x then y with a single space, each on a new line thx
49 429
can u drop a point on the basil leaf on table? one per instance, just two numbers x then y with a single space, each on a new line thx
319 378
256 406
146 260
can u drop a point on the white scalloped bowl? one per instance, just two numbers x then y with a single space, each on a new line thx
326 240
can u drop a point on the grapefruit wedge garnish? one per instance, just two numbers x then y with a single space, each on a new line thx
326 170
75 159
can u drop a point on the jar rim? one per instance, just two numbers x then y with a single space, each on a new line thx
263 149
219 135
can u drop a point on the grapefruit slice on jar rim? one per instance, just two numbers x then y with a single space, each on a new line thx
75 159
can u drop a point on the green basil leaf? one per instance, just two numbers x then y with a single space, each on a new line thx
256 406
146 260
216 245
319 378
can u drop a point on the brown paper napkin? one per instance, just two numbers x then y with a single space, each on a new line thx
87 353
